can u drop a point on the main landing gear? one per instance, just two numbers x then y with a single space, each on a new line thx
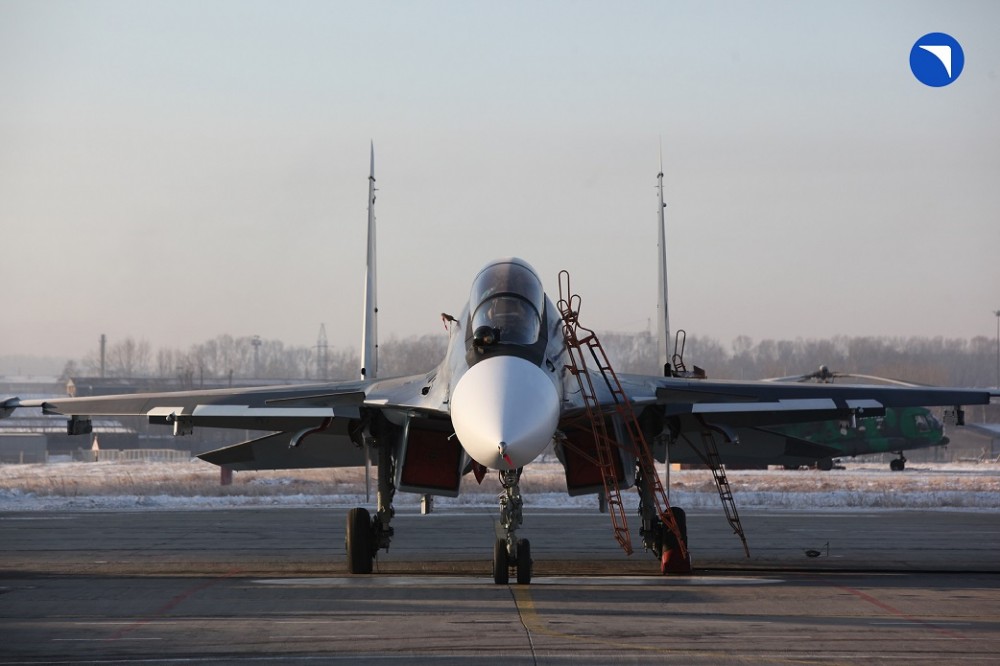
671 559
657 536
367 535
509 551
360 541
899 464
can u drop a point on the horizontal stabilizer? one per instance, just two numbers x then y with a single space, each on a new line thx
324 449
793 447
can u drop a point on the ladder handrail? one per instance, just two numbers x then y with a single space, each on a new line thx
711 458
602 441
623 408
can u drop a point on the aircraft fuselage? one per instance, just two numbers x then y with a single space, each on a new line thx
506 363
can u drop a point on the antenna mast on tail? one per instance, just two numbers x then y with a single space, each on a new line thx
369 341
663 318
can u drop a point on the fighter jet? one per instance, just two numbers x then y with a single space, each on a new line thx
511 383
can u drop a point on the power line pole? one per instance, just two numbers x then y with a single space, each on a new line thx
256 342
322 354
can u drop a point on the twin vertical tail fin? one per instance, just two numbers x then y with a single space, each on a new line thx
369 340
663 317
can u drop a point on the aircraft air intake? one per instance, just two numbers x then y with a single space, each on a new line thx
505 410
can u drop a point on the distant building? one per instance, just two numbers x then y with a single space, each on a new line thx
30 436
23 448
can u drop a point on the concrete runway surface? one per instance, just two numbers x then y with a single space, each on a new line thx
270 586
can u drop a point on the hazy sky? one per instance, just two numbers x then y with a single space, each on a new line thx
177 170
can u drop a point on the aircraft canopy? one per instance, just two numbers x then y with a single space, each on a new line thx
508 297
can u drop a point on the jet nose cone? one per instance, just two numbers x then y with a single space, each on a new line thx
505 411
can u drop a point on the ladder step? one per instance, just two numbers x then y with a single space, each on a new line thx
722 485
606 447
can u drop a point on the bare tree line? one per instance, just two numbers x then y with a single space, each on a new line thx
939 361
250 357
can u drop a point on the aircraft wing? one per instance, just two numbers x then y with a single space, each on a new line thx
755 404
311 425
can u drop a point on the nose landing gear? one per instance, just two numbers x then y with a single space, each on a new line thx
508 550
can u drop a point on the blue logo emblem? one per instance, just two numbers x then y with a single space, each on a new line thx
937 59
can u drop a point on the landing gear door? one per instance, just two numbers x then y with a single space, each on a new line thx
431 460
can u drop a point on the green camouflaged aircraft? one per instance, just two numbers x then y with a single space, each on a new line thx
900 429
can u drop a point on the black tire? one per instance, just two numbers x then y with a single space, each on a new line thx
501 566
824 465
897 465
359 541
523 561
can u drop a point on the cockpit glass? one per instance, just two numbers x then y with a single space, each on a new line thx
508 297
513 319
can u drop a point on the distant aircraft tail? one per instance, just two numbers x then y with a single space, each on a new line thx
369 340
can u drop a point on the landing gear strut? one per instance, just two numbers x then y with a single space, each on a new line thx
508 550
658 537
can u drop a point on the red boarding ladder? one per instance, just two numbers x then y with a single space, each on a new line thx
577 337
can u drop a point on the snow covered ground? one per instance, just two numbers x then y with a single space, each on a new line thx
74 486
